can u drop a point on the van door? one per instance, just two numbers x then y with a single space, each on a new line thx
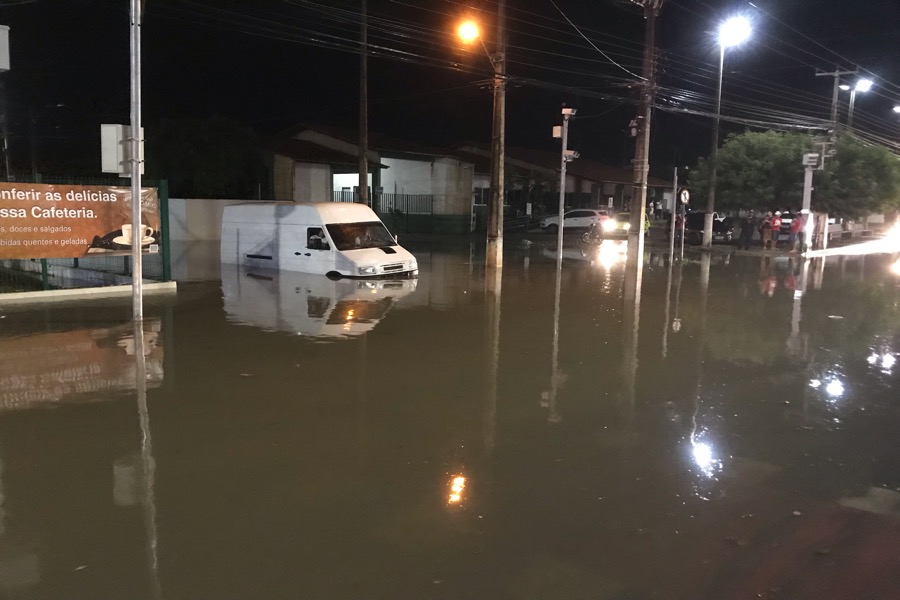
317 256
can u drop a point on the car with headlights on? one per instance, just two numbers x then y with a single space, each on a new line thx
618 226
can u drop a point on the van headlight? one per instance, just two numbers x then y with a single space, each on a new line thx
609 225
626 226
368 270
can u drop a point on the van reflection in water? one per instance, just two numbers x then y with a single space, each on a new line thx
308 304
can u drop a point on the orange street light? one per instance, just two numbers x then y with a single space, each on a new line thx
468 31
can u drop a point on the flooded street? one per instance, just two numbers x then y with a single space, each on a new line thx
728 431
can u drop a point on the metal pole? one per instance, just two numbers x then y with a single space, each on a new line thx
675 201
137 235
562 187
713 157
494 255
804 212
363 197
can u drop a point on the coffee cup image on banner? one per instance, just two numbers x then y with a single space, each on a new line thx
124 238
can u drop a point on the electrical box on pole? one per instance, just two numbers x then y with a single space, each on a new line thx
115 149
4 48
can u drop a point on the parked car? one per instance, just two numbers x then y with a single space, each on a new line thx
579 218
723 228
618 226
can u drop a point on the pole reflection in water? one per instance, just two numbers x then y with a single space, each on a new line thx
794 344
665 335
148 464
634 271
703 453
556 377
493 284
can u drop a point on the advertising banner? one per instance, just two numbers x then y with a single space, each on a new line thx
71 221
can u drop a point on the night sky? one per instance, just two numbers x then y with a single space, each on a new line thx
274 65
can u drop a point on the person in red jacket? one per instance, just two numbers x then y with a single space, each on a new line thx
775 223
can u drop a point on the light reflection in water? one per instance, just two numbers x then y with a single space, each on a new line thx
611 252
835 388
457 486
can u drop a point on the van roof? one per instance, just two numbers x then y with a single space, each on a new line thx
298 213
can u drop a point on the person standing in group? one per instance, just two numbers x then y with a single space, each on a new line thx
748 226
796 230
775 224
765 230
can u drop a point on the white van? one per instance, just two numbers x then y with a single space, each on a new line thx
328 238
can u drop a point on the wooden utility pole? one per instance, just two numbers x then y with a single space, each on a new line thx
494 255
642 145
363 197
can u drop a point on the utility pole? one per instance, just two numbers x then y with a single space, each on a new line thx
494 255
566 156
363 197
642 145
834 95
137 272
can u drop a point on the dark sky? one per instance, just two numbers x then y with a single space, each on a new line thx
277 63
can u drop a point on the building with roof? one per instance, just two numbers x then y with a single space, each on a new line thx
414 188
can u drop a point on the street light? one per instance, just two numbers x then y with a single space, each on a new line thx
897 109
468 32
863 85
731 33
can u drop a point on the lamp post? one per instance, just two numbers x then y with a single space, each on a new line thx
468 33
863 85
731 33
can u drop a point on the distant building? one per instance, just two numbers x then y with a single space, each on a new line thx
413 187
532 176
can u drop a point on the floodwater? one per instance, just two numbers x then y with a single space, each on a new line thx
724 429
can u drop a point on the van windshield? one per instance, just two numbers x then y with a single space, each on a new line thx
352 236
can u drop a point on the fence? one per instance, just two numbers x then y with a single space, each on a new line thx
33 274
401 213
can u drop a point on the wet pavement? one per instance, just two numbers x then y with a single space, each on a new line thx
725 428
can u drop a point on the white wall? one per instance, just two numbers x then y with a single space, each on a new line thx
452 186
347 180
196 219
312 183
406 176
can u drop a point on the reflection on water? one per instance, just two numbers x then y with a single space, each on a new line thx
452 453
306 304
74 365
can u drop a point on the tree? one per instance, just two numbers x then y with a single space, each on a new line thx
758 170
208 158
859 180
764 171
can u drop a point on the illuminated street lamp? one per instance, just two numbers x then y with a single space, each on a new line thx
897 109
468 31
863 85
731 33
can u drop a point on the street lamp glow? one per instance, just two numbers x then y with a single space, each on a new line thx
863 85
734 31
897 109
844 86
468 31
